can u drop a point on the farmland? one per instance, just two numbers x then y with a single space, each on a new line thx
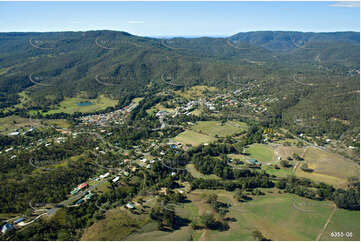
276 216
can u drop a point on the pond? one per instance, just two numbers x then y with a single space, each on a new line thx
85 104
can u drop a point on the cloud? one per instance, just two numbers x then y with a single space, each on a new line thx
345 4
135 22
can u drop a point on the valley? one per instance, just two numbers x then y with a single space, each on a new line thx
121 137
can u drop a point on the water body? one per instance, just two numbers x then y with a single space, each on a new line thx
81 104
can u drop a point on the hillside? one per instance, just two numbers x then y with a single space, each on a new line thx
297 68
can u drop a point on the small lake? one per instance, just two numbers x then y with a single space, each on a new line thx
81 104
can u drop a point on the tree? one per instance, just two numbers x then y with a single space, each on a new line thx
258 235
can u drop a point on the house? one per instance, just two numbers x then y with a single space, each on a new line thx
88 196
173 173
253 161
81 186
104 176
7 227
115 179
148 166
19 220
76 190
14 133
80 201
173 146
130 205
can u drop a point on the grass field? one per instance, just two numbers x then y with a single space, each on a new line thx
195 173
329 167
159 107
261 152
193 138
195 92
214 128
277 216
62 123
117 225
274 215
9 123
70 105
282 172
344 221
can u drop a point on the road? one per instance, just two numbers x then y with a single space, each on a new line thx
327 222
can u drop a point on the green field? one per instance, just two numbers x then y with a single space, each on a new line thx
215 128
193 138
195 173
274 215
117 225
344 221
277 216
282 172
207 131
70 105
261 152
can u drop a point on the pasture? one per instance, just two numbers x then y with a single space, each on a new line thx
328 167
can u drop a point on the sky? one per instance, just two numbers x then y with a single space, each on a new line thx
179 18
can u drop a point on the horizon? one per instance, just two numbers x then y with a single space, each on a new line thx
180 19
179 36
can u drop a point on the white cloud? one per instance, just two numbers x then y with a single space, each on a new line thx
135 22
345 4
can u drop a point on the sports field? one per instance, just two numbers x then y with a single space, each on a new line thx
261 152
195 92
193 138
215 128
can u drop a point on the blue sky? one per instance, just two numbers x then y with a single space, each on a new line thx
179 18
